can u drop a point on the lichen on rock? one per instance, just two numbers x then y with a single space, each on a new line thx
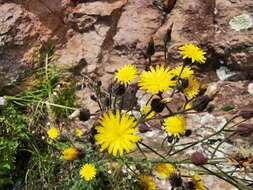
241 22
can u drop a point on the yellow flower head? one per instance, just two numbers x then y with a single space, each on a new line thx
186 73
126 74
187 107
53 133
70 153
147 183
158 79
175 125
146 110
198 182
192 89
163 170
192 52
116 133
88 172
78 132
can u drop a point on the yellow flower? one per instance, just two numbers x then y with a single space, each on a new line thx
187 107
116 133
163 170
158 79
53 133
192 52
146 110
147 183
198 182
70 153
88 171
175 125
126 74
186 73
78 132
192 89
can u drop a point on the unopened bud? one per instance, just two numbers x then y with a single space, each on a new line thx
119 89
244 130
175 180
157 105
84 115
200 103
151 48
198 159
246 114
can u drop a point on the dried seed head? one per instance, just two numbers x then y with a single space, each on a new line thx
157 105
198 159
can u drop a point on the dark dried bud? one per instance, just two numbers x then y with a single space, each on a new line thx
93 97
175 180
246 114
151 48
182 85
119 89
200 103
107 102
244 130
170 139
198 159
93 132
187 61
188 132
190 185
84 115
99 83
167 36
144 128
157 105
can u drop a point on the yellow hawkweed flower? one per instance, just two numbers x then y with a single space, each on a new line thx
198 182
126 74
53 133
187 107
147 183
163 170
192 52
70 153
78 132
116 133
88 171
192 89
146 110
175 125
186 73
158 79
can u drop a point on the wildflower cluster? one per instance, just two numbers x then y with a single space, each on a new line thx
117 127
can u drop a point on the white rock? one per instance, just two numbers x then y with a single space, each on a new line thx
250 88
223 73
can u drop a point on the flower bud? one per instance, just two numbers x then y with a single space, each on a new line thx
157 105
244 130
200 103
84 114
188 132
144 128
119 89
151 48
246 114
198 159
175 180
